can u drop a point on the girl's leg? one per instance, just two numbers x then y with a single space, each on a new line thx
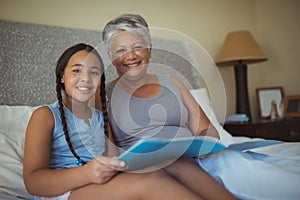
154 185
189 173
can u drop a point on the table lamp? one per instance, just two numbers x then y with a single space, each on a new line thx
240 49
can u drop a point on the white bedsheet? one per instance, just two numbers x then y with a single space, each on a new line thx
271 172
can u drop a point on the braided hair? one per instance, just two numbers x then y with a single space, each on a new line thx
59 71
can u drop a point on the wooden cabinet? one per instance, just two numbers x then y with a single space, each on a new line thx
285 129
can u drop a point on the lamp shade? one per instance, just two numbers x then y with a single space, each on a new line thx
240 46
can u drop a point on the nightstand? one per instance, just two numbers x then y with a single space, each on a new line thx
284 129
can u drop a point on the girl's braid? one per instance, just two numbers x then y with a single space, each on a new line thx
108 134
64 123
103 104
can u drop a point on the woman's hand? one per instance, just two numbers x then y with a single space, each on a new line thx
102 169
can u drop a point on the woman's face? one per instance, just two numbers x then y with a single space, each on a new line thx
81 76
130 54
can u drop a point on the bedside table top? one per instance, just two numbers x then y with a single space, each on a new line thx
282 129
266 121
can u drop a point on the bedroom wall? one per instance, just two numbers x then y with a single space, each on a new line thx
206 21
278 30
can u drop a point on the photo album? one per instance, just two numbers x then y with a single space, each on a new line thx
151 153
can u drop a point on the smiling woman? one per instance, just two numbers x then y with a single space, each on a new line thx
144 105
131 55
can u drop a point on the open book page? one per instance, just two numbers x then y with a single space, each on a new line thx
150 153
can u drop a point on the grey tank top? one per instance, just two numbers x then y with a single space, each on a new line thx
132 118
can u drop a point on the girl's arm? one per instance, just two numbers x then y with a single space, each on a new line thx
42 181
198 121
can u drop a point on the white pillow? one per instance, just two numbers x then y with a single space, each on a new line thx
14 119
13 123
202 98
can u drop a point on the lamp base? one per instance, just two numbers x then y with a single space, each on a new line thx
242 98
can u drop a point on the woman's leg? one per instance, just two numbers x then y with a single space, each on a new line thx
189 173
153 185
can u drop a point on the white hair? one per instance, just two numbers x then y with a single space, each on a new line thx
131 23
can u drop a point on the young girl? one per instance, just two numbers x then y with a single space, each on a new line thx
65 142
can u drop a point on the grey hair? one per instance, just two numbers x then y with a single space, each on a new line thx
131 23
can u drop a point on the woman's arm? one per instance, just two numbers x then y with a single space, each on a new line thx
42 181
198 121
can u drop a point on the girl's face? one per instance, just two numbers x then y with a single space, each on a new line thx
82 76
130 54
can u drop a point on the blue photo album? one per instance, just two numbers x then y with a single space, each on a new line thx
151 153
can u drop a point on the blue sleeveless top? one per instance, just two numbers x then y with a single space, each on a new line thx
132 118
88 141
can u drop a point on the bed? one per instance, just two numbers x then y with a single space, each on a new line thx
28 56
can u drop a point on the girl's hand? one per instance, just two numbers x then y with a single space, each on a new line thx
102 169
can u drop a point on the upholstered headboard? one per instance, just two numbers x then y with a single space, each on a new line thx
29 52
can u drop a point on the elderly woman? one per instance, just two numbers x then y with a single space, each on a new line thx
145 105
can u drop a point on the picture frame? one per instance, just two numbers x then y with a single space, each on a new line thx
292 106
265 96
